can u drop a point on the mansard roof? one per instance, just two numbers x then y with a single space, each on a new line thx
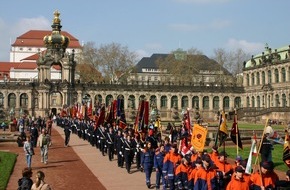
34 38
200 62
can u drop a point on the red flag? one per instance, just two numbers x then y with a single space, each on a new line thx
235 133
90 109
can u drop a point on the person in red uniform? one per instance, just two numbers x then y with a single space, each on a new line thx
224 168
266 179
169 165
238 182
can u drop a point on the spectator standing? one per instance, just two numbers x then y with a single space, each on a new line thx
40 184
28 150
44 142
25 182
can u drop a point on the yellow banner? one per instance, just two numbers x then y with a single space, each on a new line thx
198 137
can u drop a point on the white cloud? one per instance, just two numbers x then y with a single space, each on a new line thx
248 47
202 1
219 24
26 24
141 53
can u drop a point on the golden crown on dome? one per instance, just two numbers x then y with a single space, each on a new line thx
56 40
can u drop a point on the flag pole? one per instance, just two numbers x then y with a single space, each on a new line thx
261 141
237 136
217 134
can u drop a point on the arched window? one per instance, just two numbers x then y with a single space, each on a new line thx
263 78
253 101
277 101
1 99
99 99
216 102
258 78
248 80
253 79
12 100
184 102
120 97
284 101
269 77
195 102
237 102
109 99
131 102
23 100
163 101
174 102
153 100
283 75
276 76
258 101
248 102
226 102
205 102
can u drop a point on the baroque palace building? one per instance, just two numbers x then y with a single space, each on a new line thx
211 88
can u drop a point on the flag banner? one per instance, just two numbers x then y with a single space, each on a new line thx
235 133
114 110
122 124
223 131
146 113
198 137
286 150
89 109
101 118
253 151
273 136
187 121
139 116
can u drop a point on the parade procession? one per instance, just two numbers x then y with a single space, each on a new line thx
175 158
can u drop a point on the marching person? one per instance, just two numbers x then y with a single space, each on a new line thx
137 144
44 141
182 173
238 181
147 162
110 143
158 164
25 183
128 152
224 168
67 131
29 151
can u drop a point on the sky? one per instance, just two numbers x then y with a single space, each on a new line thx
154 26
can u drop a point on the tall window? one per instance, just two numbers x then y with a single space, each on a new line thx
174 102
269 77
253 79
276 76
253 101
184 102
23 100
248 102
205 102
12 100
248 80
284 101
195 102
109 99
258 101
283 75
99 99
163 101
216 101
153 101
131 102
237 102
277 101
263 78
1 99
226 102
258 78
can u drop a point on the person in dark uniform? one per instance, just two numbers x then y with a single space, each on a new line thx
102 139
119 141
67 131
266 149
148 162
110 143
34 134
152 139
128 152
137 146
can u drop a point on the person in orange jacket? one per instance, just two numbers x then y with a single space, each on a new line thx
238 182
169 165
266 179
214 154
181 173
224 168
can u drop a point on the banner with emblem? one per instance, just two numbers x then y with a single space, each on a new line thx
198 137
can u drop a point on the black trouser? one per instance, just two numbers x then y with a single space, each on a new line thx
110 151
128 159
102 145
120 159
67 137
138 159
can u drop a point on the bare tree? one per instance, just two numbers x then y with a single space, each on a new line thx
107 62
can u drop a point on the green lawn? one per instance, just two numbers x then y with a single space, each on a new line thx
277 155
7 162
251 126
